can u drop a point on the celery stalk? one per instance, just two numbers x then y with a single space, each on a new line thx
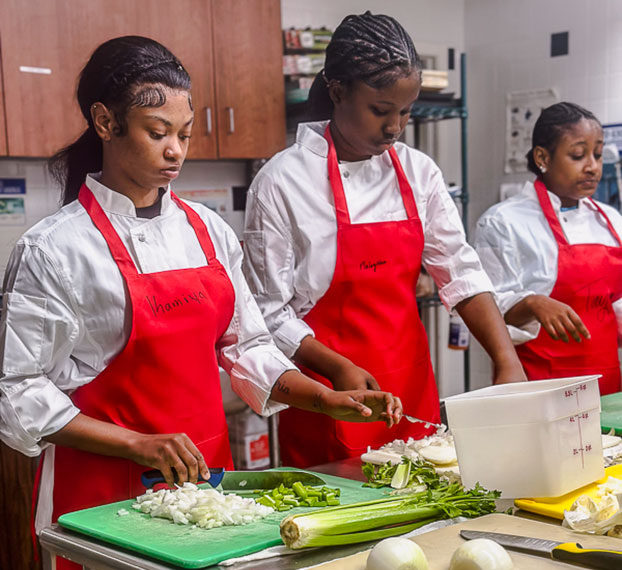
384 517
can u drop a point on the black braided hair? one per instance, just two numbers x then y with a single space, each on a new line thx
552 124
122 73
373 48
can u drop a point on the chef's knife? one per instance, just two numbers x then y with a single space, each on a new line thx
414 420
571 552
244 481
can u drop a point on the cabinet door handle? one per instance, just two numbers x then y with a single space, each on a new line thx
231 120
208 119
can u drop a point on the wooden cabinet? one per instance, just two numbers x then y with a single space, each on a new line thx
230 47
250 94
3 149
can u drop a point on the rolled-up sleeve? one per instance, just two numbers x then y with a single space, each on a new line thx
500 257
448 258
247 351
38 329
269 266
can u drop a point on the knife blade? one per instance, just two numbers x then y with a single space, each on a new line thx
414 420
570 552
249 481
244 481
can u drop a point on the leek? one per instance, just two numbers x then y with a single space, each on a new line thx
381 518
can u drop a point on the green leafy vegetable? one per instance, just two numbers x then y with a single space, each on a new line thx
373 520
421 473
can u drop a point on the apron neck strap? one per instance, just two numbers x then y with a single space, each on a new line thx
549 212
609 224
117 248
552 219
341 206
102 223
405 188
199 228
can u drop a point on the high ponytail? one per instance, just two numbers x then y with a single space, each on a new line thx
122 73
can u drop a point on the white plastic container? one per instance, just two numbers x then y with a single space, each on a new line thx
529 439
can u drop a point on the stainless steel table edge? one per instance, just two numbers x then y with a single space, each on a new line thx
93 555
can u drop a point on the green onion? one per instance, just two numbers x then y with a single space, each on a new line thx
381 518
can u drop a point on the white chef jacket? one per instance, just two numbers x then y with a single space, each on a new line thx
518 250
291 227
64 320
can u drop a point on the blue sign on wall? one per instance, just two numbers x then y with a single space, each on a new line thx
12 186
613 134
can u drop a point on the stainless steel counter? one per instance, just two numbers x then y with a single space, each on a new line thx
97 555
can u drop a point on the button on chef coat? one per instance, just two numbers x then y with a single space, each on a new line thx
290 230
65 317
519 252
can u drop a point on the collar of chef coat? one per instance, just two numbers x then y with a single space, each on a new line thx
117 203
557 203
311 136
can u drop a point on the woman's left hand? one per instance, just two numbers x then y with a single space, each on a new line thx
362 406
352 377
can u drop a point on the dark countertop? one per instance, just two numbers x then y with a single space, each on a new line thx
346 468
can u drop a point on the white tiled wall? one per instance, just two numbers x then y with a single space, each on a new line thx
508 46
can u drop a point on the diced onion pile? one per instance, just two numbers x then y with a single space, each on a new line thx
206 508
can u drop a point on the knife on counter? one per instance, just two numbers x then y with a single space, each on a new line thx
571 552
243 481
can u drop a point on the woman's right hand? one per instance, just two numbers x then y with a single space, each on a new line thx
362 406
160 451
558 319
175 455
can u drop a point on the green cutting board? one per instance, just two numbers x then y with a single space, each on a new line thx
193 547
611 412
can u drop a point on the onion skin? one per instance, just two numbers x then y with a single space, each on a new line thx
397 553
481 554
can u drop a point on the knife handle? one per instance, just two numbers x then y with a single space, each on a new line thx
590 557
153 477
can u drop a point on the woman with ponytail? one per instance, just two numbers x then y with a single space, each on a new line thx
119 307
338 228
555 255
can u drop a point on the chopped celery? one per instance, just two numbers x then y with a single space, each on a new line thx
283 498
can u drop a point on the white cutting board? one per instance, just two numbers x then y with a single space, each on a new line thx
439 545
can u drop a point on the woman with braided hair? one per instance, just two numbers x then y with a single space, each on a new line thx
560 283
119 307
338 227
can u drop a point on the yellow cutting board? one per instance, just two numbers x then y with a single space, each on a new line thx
439 545
555 506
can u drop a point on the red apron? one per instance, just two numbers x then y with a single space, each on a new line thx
165 380
589 279
369 314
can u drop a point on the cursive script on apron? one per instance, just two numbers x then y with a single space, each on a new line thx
159 307
373 265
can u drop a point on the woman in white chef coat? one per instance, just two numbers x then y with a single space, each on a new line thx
555 257
119 307
337 229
